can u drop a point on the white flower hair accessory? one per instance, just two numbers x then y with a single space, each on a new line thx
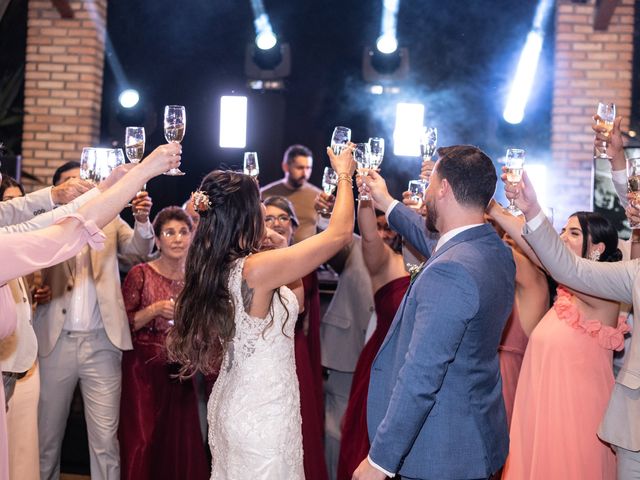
201 201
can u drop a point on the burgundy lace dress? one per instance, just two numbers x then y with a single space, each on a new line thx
159 428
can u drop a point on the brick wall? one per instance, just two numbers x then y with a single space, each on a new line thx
590 66
63 84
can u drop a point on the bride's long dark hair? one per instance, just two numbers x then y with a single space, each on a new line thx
232 227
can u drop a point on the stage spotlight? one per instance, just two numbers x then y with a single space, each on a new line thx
266 69
409 123
129 98
527 66
266 40
233 121
384 69
387 43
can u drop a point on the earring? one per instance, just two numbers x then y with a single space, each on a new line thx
594 255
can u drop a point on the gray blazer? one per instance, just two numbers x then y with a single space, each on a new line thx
615 281
50 317
344 325
21 209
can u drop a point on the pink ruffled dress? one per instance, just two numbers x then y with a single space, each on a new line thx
563 391
23 253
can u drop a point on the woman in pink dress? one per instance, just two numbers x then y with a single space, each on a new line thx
567 375
530 304
24 253
159 427
382 252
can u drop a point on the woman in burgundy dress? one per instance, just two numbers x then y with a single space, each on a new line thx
382 253
159 430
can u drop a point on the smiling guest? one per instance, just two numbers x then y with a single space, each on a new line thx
297 164
159 427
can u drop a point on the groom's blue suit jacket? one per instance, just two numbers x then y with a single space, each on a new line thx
435 407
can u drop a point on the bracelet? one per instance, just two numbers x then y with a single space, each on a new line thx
345 176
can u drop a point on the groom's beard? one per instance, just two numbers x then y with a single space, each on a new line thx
432 216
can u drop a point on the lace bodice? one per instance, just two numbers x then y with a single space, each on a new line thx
254 408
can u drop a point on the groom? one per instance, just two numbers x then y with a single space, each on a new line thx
435 408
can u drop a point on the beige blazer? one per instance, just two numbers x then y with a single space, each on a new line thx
50 317
19 350
344 325
616 281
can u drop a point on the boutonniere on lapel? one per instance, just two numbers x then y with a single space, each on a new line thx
414 270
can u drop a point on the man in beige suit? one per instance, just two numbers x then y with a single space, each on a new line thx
82 329
618 281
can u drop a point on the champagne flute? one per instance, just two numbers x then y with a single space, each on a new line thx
428 142
605 116
340 138
329 184
515 166
417 189
96 163
134 140
362 156
175 124
633 185
251 166
376 144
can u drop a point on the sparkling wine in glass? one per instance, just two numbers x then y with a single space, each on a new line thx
329 184
175 123
251 166
340 138
376 145
417 189
514 163
633 185
134 139
362 156
605 116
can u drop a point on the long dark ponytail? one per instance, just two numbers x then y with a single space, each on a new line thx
230 228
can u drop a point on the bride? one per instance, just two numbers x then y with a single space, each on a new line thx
235 316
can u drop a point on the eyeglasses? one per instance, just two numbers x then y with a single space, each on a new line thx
171 233
282 220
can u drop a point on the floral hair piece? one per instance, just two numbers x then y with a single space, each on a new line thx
200 201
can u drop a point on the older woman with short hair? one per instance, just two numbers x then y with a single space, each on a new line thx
159 427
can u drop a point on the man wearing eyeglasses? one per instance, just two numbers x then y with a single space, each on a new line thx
82 329
297 164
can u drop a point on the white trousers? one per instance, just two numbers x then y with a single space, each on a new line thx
22 427
91 359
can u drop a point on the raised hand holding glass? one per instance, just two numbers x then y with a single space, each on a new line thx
514 163
175 124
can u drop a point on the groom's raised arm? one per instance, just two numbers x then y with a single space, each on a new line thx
411 226
447 298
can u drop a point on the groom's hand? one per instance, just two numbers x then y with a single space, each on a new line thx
366 471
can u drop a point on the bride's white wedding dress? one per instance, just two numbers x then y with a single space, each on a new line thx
254 408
